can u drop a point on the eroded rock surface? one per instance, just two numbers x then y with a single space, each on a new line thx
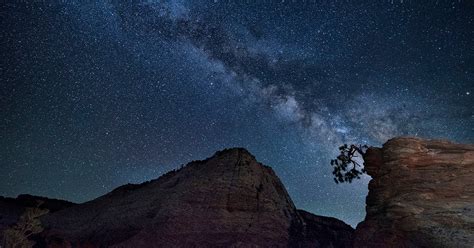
321 231
228 200
421 195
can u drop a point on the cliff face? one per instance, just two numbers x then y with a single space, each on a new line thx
321 231
421 195
228 200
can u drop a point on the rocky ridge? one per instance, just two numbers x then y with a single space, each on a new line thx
228 200
421 195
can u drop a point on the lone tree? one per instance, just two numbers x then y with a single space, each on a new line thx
346 168
29 224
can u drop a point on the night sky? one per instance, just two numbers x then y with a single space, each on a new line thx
96 95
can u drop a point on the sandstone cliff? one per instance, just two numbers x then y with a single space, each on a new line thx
421 195
228 200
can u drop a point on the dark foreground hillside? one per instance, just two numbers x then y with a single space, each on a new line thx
421 195
228 200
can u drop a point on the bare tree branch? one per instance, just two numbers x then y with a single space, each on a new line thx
345 158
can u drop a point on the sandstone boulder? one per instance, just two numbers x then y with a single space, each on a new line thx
421 195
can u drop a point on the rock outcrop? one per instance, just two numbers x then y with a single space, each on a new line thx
421 195
12 208
321 231
228 200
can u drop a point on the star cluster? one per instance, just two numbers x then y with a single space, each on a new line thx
98 94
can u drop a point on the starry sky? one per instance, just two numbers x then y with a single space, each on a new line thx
96 94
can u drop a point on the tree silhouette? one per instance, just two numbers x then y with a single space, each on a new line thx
346 168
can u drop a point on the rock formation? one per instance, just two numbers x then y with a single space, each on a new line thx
421 195
323 231
12 208
228 200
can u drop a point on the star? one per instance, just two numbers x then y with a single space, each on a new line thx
111 93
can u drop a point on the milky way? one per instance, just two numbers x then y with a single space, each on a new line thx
96 95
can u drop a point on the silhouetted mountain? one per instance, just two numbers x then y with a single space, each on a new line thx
421 195
228 200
